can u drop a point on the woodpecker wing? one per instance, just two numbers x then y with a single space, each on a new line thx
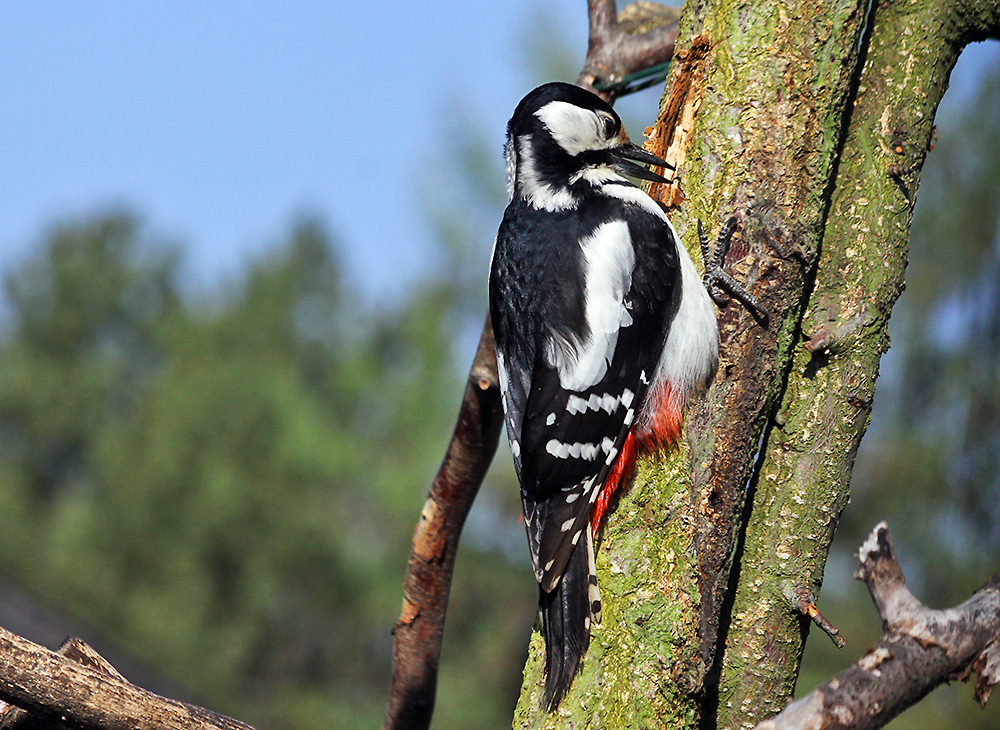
581 303
568 458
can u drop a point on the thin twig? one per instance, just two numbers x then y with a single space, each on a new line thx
613 54
804 601
427 585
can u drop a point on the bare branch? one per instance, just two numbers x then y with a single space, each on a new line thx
417 633
921 649
73 648
84 691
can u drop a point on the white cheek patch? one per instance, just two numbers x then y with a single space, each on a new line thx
574 129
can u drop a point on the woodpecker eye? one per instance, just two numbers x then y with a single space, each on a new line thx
610 126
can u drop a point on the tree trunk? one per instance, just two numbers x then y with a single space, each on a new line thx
772 115
826 406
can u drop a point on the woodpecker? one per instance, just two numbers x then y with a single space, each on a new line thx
603 330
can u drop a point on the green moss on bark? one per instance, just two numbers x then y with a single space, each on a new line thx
641 654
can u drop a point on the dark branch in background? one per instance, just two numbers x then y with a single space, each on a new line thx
921 649
612 55
78 687
641 37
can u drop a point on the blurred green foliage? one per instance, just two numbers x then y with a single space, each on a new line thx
929 463
227 487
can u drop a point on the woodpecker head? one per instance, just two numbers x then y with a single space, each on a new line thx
561 135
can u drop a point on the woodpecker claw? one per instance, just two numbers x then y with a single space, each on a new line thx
717 281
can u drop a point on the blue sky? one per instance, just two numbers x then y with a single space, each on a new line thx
220 122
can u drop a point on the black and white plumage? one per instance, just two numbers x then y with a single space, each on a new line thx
603 329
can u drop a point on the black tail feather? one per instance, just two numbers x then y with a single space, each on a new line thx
566 617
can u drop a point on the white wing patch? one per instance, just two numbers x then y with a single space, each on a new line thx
502 373
575 450
575 404
512 415
608 260
578 450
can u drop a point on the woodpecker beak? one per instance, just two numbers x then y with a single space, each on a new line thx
629 151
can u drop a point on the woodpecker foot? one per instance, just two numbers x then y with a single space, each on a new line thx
804 602
717 281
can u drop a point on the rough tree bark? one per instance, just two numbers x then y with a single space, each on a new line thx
771 114
910 51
